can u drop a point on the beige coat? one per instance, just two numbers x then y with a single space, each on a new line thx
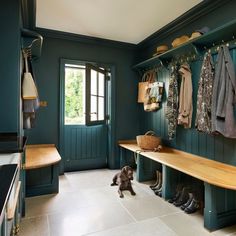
185 97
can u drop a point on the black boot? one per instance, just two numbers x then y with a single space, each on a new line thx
193 207
179 189
183 197
188 202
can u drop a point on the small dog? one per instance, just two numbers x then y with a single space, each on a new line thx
123 180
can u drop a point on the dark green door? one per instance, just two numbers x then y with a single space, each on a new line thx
83 129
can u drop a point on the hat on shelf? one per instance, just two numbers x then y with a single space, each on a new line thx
178 41
199 32
194 35
203 30
161 49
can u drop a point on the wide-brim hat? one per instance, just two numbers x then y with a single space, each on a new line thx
178 41
195 34
161 49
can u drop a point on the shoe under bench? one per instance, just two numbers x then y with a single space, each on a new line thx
219 179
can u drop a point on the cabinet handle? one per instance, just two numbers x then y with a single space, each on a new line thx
11 211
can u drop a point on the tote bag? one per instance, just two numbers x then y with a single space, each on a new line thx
142 86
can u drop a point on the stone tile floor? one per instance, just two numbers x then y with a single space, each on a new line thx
88 205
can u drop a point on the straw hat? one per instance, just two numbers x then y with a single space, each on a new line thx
195 35
161 49
199 32
178 41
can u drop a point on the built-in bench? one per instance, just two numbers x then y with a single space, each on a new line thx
42 169
217 176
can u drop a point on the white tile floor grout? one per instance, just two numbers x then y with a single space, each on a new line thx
94 208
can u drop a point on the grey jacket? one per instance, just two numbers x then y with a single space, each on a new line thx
223 97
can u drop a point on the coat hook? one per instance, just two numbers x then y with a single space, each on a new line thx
213 44
233 37
223 41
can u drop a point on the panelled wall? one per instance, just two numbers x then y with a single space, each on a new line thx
220 203
47 70
214 147
10 23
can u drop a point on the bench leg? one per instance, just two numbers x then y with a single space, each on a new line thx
220 208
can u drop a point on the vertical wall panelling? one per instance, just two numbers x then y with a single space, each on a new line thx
10 65
220 203
124 87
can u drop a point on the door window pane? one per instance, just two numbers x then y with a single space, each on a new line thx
101 108
74 95
93 109
93 82
101 84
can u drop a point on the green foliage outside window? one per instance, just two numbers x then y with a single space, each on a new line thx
74 94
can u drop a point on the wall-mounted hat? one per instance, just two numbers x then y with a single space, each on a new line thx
180 40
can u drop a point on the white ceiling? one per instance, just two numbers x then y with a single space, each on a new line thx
122 20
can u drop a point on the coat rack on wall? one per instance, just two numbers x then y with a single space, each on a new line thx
31 43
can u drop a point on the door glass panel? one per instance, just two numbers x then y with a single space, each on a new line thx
101 84
101 108
93 82
93 109
74 95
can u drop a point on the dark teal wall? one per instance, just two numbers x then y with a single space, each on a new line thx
47 76
213 147
9 65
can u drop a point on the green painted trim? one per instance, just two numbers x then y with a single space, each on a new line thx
28 9
84 39
201 9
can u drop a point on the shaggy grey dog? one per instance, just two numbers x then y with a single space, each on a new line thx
123 180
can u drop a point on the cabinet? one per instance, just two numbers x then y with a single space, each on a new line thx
12 194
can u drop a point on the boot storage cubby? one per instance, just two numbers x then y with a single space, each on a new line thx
216 180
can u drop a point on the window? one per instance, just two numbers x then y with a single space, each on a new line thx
95 112
84 95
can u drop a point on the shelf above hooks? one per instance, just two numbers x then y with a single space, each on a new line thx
193 49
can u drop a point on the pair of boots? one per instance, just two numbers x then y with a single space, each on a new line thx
157 187
185 199
192 205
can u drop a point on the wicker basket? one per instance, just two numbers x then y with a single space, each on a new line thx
149 141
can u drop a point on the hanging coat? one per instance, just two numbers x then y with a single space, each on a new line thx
204 96
223 98
172 103
185 98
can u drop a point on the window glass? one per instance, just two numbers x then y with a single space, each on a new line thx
101 84
74 95
93 82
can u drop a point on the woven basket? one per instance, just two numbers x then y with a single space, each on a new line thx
149 141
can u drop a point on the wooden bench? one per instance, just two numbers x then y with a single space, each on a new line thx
219 178
212 172
42 169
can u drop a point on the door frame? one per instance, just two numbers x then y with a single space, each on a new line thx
111 139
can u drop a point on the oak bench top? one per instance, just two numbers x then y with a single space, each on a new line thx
210 171
41 155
